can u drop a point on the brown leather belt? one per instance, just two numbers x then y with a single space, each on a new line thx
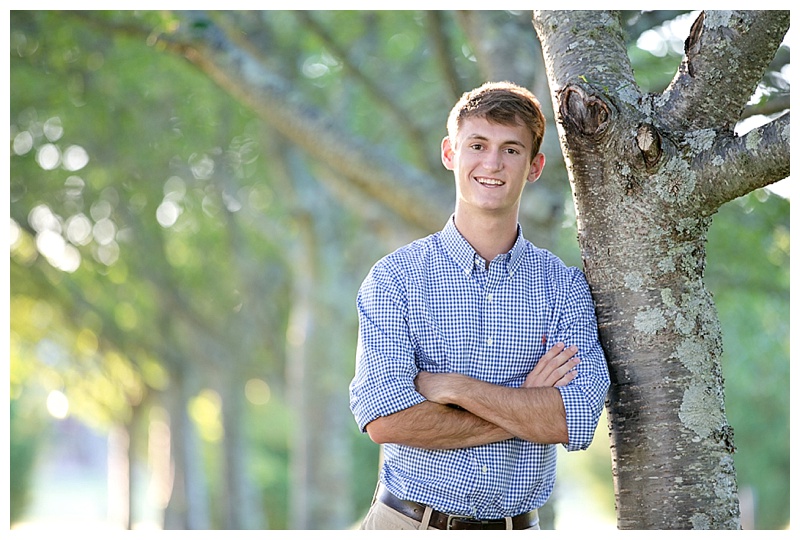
444 521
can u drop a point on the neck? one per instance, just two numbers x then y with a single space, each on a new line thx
489 235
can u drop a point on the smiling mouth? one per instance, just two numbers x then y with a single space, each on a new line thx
489 181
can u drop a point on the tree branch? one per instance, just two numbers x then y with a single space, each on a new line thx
498 40
739 165
403 118
393 183
246 78
578 45
703 93
442 50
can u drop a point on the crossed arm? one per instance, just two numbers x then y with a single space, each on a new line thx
484 412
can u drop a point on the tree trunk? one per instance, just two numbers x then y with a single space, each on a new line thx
645 182
188 504
119 476
317 370
241 504
134 430
319 482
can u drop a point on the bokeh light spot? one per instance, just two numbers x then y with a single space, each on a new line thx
57 404
257 391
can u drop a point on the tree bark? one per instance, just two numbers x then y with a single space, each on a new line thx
645 176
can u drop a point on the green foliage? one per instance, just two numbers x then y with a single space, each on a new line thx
269 436
202 288
25 438
748 273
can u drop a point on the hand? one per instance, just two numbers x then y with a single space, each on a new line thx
555 368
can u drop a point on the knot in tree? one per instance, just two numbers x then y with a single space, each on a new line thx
584 113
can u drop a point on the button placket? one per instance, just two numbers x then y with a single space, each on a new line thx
490 312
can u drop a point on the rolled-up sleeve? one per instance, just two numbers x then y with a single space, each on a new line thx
385 368
584 397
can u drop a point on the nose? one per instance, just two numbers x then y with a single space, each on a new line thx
493 160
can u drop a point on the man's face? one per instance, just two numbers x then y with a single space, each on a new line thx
491 163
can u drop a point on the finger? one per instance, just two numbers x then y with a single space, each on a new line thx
554 359
566 379
567 353
562 357
564 373
552 352
546 372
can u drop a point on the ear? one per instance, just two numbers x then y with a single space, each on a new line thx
448 154
537 165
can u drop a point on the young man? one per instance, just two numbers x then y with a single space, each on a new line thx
477 351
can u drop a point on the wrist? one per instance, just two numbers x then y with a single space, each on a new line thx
454 388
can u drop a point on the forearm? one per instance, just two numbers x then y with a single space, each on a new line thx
533 414
434 426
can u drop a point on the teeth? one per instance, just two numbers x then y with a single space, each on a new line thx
489 181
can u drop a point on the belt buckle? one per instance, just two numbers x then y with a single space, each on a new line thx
451 517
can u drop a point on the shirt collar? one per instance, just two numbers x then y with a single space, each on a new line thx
516 253
464 255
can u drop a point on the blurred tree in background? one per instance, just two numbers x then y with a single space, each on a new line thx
185 254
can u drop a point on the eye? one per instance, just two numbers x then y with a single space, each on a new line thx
476 146
513 151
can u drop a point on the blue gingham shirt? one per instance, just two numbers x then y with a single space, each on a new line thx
433 306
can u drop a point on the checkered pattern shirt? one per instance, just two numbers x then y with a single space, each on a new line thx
432 305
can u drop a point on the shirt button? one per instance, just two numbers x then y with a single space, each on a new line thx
489 297
484 469
489 342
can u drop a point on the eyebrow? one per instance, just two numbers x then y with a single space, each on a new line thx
477 136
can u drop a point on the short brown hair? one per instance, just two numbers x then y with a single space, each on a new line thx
503 103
